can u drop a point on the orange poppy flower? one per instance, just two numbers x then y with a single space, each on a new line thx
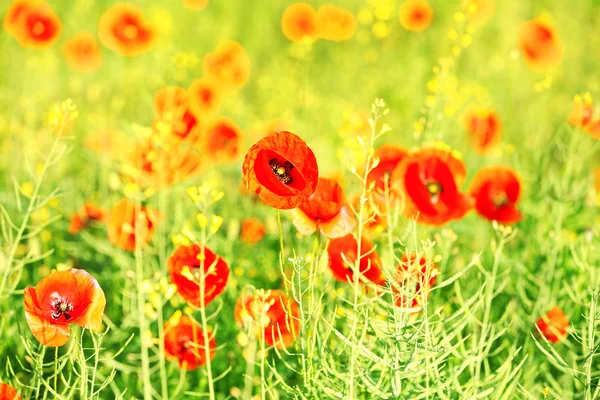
326 209
415 274
82 53
228 65
553 325
335 23
33 23
299 23
253 230
122 224
184 342
346 248
123 29
415 15
88 213
484 128
389 156
479 11
582 116
184 270
540 45
429 180
205 97
8 392
195 5
270 310
172 107
281 169
496 191
60 299
223 140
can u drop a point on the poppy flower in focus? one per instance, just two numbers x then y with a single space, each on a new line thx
33 23
582 116
82 218
299 24
417 274
253 230
346 248
228 65
205 97
484 128
479 11
60 299
496 191
540 45
184 342
8 392
123 28
195 5
122 228
184 270
553 325
415 15
82 53
276 316
429 180
172 108
335 23
223 139
281 169
389 156
326 209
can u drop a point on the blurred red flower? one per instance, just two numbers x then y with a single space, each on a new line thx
8 392
60 299
299 24
429 179
184 342
82 53
172 107
205 97
553 325
344 250
122 224
276 316
540 45
326 209
223 140
335 23
582 116
33 23
415 15
496 190
123 28
484 128
417 274
253 230
228 65
389 156
82 218
184 270
281 169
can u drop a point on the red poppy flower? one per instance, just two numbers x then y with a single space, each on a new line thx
122 28
540 44
299 24
326 209
276 316
415 15
228 65
582 116
335 23
484 128
33 23
82 53
346 248
429 180
184 342
60 299
223 140
195 5
417 274
496 191
8 392
122 224
205 97
553 325
184 269
281 169
172 107
81 219
253 230
389 156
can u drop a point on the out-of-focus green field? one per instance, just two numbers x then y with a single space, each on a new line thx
476 338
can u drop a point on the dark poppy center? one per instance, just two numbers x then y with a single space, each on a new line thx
282 170
62 307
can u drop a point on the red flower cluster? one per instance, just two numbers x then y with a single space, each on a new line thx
416 276
32 23
343 253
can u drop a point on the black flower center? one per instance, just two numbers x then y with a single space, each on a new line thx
62 307
282 170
